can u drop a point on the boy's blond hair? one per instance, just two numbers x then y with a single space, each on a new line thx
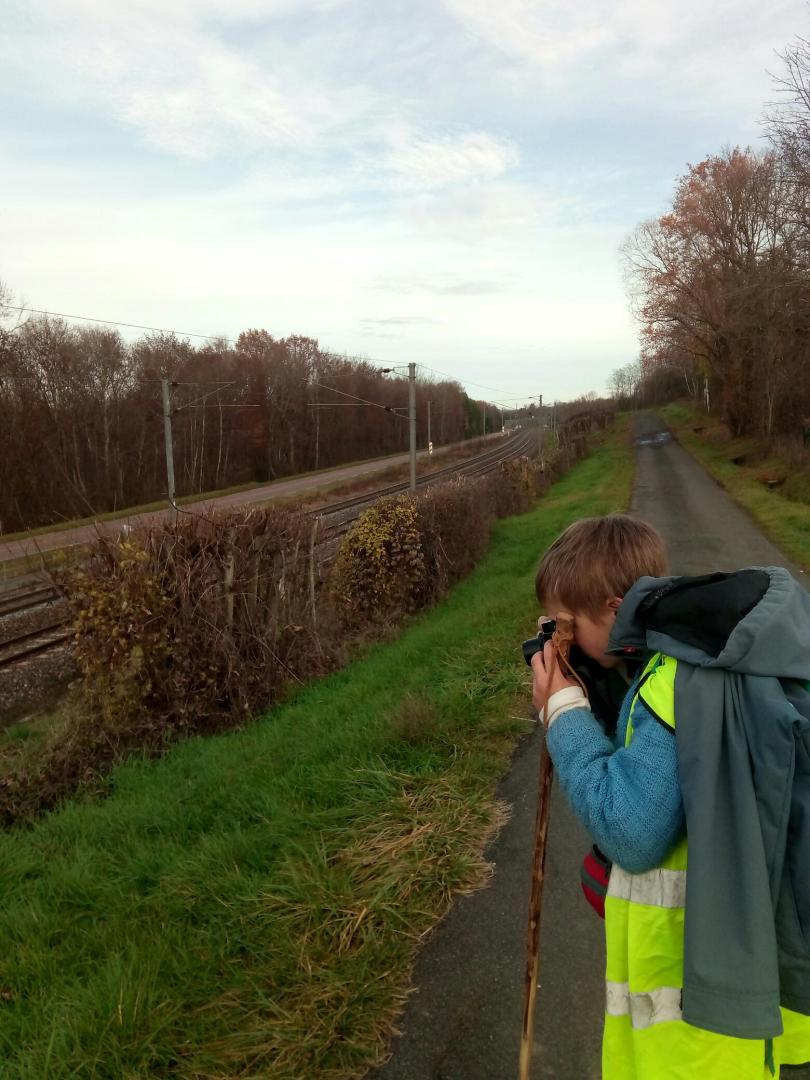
598 558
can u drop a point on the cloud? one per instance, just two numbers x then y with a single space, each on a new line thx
685 46
171 72
442 284
541 34
401 320
498 213
419 162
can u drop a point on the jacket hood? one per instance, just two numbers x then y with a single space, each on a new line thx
754 621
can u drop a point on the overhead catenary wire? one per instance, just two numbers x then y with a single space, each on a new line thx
469 382
355 398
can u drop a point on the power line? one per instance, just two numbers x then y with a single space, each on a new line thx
469 382
164 330
231 341
115 322
354 397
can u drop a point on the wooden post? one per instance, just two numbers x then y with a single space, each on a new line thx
230 564
562 641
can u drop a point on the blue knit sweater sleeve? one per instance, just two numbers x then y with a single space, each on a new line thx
628 798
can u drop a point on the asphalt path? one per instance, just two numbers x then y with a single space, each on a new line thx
463 1019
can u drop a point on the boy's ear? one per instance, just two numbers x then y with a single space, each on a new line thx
614 603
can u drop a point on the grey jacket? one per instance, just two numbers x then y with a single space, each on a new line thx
742 709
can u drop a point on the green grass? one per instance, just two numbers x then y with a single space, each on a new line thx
785 520
250 905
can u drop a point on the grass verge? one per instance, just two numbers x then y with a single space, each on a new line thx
250 905
41 562
57 558
443 456
783 520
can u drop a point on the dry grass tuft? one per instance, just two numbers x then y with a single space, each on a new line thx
416 720
366 905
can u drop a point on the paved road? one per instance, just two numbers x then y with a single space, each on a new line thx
463 1020
703 528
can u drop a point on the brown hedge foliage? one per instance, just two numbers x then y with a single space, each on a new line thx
407 550
454 525
207 616
380 571
193 625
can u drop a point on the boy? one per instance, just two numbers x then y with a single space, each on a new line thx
705 1003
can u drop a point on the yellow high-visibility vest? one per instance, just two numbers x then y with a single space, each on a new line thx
645 1036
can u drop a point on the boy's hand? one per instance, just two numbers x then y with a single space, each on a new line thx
541 665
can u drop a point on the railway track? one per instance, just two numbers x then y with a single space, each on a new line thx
483 462
17 600
32 642
476 466
19 648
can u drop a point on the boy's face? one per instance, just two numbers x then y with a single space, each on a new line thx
592 632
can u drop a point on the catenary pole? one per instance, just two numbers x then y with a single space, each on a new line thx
412 420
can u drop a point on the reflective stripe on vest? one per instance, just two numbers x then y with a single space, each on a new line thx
644 912
658 888
644 1009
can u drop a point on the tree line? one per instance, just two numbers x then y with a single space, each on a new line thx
81 423
720 283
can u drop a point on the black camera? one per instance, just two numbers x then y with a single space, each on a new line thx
535 644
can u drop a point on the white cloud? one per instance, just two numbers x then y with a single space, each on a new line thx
168 71
501 214
557 34
685 47
542 34
447 284
423 163
454 176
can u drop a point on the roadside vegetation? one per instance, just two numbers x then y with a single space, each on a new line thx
193 626
771 480
249 905
718 283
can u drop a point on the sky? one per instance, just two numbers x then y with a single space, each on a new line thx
440 181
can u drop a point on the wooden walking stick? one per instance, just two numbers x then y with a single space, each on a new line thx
562 641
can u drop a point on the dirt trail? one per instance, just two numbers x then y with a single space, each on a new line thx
463 1020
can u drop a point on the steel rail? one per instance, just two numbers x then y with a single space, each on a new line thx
466 468
11 653
23 599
